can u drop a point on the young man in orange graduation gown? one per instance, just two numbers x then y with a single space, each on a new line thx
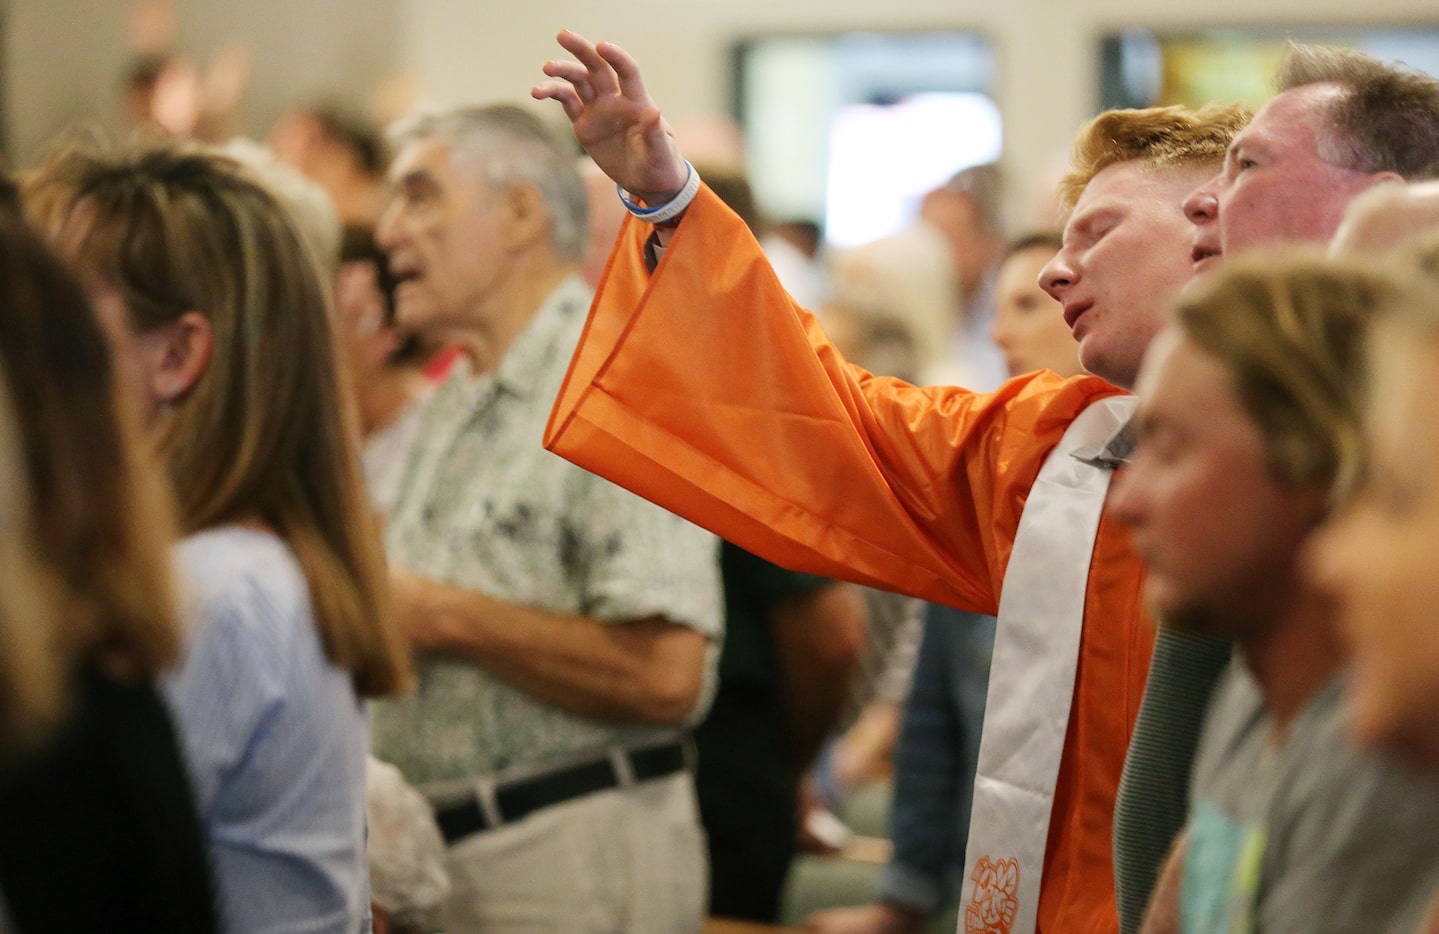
704 387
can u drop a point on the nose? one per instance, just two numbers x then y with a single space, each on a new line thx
1323 559
1126 498
999 332
1058 274
1202 205
387 228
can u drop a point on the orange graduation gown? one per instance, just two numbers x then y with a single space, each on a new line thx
706 389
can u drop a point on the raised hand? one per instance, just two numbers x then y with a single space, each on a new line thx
613 117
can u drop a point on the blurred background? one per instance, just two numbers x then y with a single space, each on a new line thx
880 101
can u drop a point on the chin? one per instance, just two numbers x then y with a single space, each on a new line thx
1198 618
1413 743
415 315
1098 364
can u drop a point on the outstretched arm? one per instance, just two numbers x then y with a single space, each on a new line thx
614 119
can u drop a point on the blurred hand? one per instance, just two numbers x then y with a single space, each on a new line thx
814 818
614 119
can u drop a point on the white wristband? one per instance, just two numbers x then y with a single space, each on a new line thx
670 209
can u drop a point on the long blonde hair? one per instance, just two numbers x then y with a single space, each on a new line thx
87 523
265 432
31 682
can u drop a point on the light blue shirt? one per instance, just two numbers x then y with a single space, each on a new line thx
275 740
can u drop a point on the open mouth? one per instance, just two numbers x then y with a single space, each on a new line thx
402 277
1073 312
1202 256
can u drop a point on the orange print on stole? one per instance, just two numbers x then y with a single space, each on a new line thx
996 897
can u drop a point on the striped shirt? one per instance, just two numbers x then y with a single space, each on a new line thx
275 740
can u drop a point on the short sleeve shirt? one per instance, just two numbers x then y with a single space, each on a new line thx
483 506
1308 834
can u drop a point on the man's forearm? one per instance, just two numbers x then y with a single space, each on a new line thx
818 639
641 671
1162 916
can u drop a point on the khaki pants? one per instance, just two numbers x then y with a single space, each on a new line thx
622 861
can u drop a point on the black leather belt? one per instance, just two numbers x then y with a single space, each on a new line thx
514 800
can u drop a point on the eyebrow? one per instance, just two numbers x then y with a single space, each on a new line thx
415 178
1087 221
1246 139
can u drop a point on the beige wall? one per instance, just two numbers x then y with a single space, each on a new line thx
63 56
1046 48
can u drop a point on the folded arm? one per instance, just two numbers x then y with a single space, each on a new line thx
640 671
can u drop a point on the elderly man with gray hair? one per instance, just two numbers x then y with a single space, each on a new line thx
564 628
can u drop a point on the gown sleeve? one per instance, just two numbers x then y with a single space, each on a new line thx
705 388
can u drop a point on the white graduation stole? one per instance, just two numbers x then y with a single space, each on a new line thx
1031 679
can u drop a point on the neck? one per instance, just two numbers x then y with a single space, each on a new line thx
1294 658
508 309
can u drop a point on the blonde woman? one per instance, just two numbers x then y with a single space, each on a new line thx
227 322
99 830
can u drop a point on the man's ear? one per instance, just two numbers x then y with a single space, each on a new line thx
525 216
174 356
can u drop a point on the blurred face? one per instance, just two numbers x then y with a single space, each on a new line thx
365 339
1275 188
955 215
442 233
132 363
143 360
1218 533
1380 562
604 218
1126 251
1029 325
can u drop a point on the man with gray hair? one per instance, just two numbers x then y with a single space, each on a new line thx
564 628
1340 124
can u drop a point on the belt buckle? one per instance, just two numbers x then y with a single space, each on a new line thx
621 765
489 803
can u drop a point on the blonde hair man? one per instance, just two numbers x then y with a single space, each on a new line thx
920 490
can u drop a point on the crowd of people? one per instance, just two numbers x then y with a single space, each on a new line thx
410 535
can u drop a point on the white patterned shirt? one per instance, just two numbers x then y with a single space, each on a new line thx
483 506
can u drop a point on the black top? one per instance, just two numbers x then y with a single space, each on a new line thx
98 830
